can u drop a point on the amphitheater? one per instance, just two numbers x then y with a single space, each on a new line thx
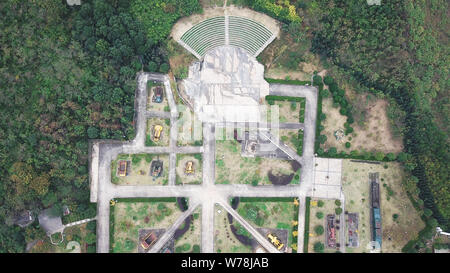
231 26
227 83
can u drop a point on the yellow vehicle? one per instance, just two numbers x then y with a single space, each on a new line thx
274 240
189 168
157 129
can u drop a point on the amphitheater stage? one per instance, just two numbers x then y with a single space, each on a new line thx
227 86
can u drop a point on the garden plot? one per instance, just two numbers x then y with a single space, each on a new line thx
319 209
188 236
140 169
232 168
164 138
152 104
190 130
189 178
400 221
128 216
288 111
289 137
278 216
224 239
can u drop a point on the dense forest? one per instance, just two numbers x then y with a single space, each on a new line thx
399 49
67 75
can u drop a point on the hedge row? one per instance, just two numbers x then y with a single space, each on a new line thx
291 82
302 111
318 121
339 97
111 228
266 199
146 199
306 234
284 98
367 156
300 143
296 212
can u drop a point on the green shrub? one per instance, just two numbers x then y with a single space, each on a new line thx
92 132
317 80
348 130
320 203
319 247
338 211
322 116
319 230
255 182
391 156
347 145
332 151
395 217
337 202
186 247
91 249
196 249
427 212
325 93
319 215
379 156
328 80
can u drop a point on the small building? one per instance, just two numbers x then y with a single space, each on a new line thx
24 219
66 210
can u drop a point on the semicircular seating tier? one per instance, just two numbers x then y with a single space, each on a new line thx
227 30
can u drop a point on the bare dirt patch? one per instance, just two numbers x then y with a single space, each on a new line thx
372 135
285 58
179 59
395 234
212 3
282 74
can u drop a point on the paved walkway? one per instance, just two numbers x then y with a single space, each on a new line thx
208 193
80 222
